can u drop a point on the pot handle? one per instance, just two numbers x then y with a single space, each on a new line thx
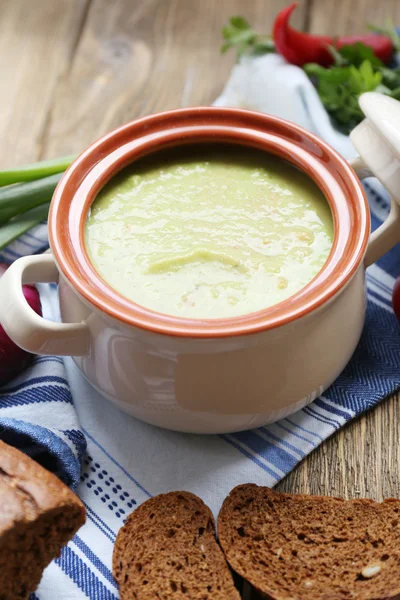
388 234
23 325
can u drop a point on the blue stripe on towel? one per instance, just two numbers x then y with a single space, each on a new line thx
335 411
251 456
96 562
275 456
82 576
43 379
326 420
36 395
313 433
291 432
276 438
100 524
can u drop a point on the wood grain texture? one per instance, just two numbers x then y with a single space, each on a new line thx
351 16
361 460
36 42
137 58
74 69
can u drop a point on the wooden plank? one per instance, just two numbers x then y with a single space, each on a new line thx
137 58
36 41
351 16
363 458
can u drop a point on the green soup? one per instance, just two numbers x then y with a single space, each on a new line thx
209 233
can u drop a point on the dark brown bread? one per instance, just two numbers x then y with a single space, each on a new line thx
295 547
38 515
167 551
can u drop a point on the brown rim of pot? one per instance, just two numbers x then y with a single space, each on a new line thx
95 167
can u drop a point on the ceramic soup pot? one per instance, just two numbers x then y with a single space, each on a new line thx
221 375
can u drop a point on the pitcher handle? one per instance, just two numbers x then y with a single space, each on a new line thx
388 234
23 325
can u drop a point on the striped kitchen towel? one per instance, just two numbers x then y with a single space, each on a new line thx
128 461
37 414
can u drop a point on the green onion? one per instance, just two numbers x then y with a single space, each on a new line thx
21 197
25 196
21 223
35 171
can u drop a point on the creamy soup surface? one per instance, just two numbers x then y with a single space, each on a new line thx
209 233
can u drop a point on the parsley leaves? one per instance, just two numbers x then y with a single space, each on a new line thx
240 35
356 70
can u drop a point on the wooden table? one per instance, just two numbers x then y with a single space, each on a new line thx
73 69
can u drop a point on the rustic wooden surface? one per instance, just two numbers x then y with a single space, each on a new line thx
73 69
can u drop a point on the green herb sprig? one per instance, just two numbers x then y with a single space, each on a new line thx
356 70
240 35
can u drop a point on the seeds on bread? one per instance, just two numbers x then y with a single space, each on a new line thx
310 547
167 549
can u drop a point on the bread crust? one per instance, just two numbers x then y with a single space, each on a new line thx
31 488
167 549
312 547
39 514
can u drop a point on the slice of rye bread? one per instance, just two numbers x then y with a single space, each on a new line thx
38 515
167 551
297 547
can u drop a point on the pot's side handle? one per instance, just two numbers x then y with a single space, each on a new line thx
23 325
388 234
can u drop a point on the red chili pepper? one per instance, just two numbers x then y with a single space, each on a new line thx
300 48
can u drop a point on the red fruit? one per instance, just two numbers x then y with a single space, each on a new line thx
300 48
12 358
396 298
